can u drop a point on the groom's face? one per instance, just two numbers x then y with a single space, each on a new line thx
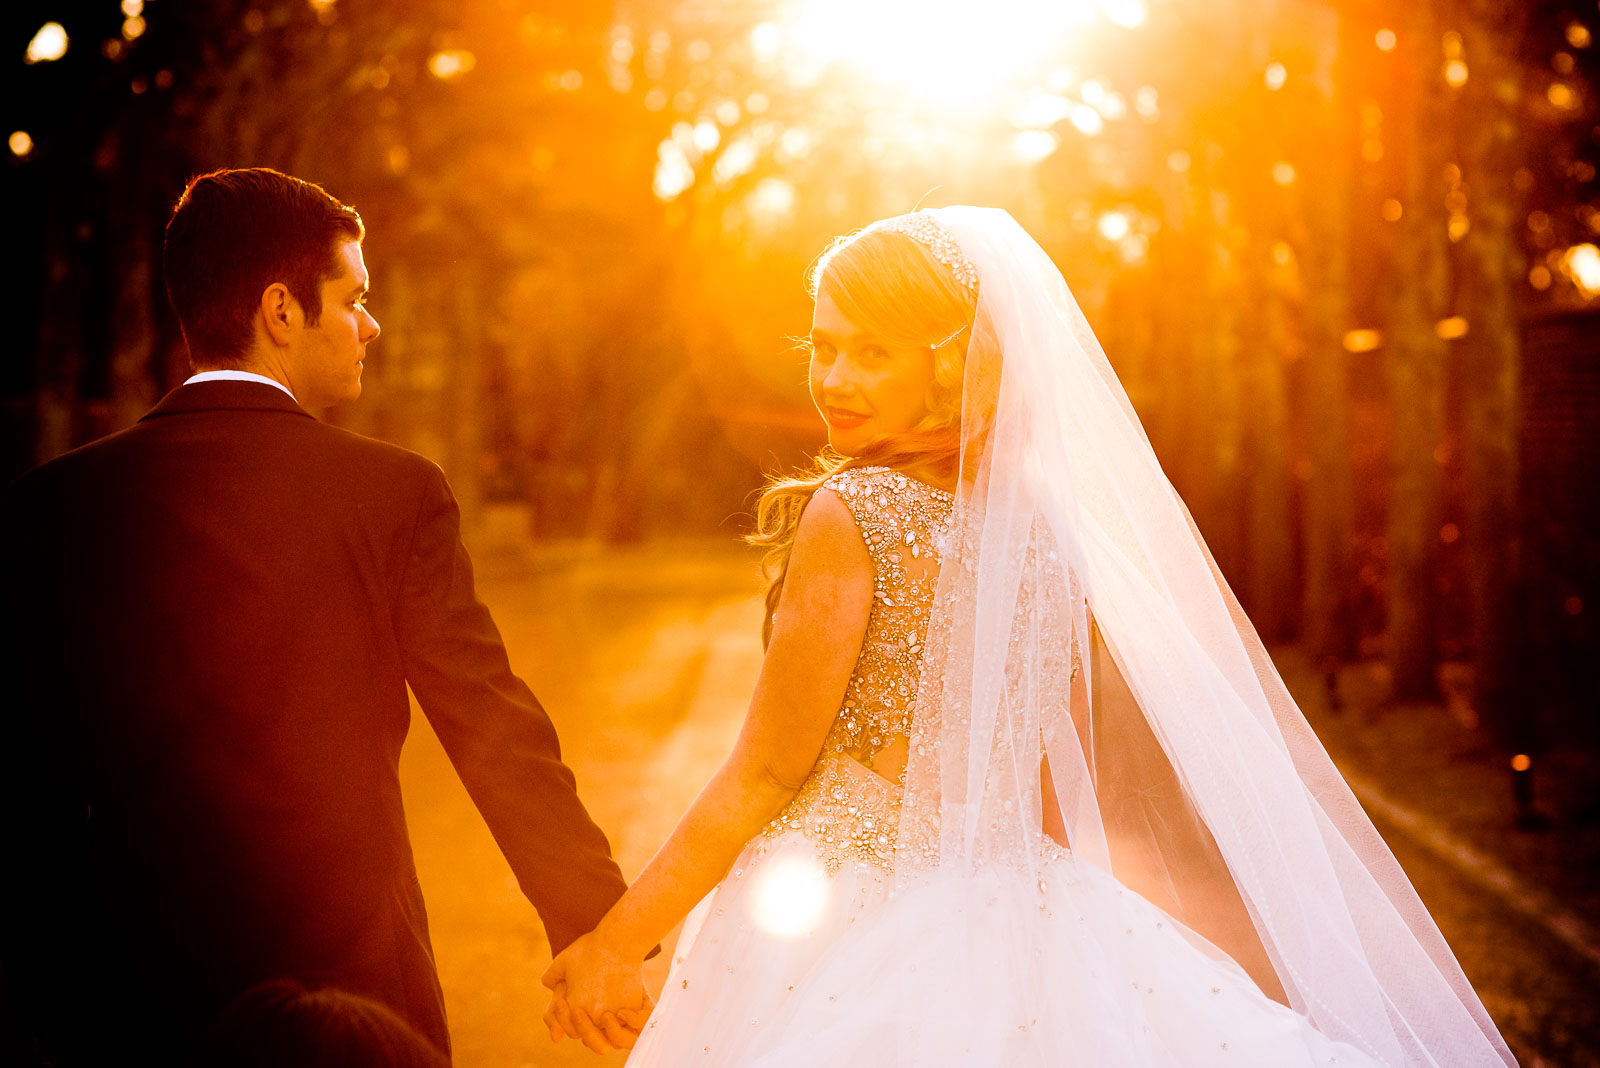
326 360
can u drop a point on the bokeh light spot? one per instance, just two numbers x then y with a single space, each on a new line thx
451 63
1087 120
48 44
1582 265
1031 146
674 173
1449 329
765 40
1362 340
21 143
772 197
1386 40
795 143
1113 225
1276 76
1041 110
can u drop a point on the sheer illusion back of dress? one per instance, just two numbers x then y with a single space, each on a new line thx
904 523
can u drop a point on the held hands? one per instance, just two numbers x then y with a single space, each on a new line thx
597 995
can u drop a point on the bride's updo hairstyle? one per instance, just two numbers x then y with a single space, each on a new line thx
890 285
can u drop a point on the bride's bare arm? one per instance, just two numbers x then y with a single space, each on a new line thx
816 639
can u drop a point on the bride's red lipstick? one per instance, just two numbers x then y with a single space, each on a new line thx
841 419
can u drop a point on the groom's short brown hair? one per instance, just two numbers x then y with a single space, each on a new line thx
233 234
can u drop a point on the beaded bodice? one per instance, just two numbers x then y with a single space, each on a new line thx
851 814
904 523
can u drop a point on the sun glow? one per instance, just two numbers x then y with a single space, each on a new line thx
951 53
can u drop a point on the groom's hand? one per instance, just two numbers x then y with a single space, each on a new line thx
599 996
618 1030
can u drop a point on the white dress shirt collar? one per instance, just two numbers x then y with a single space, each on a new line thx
237 376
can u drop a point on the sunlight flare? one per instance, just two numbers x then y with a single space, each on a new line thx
946 52
790 896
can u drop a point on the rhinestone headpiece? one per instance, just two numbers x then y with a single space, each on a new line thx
924 229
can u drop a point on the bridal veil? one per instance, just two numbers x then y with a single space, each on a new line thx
1088 670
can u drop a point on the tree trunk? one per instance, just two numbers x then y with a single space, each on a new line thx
1414 359
464 401
1209 425
1492 266
133 332
1328 617
61 341
1269 589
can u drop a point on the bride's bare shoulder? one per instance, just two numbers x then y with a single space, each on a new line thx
829 535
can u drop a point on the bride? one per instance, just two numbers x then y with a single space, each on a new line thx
1019 784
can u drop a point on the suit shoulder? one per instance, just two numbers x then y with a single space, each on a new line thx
382 466
68 465
379 453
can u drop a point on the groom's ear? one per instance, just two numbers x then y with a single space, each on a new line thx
277 310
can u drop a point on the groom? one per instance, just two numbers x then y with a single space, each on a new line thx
212 620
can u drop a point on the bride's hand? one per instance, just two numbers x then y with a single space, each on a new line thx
599 996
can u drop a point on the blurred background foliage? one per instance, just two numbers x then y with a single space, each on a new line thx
1342 253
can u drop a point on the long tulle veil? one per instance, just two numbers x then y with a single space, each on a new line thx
1087 665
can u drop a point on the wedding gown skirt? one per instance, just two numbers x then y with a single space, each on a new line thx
806 956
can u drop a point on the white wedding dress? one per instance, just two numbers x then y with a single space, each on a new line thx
808 954
1055 640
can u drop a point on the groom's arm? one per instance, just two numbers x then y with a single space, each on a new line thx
499 738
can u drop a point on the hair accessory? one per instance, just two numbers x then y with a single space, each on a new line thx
924 229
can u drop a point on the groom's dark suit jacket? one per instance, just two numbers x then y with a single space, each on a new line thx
212 618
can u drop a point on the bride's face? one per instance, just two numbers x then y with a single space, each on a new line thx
866 388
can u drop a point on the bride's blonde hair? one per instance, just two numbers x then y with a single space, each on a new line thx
890 285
